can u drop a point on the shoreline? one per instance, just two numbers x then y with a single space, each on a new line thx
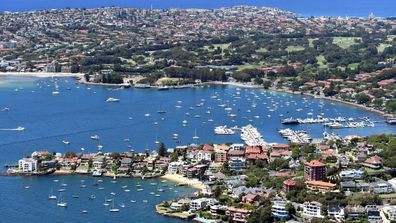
41 74
194 183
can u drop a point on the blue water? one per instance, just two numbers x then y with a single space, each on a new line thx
382 8
81 111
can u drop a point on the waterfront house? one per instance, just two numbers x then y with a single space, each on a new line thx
126 162
97 162
238 214
176 206
312 210
39 154
28 165
150 162
173 167
252 150
162 163
278 209
215 167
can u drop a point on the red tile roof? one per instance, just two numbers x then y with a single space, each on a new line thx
289 182
314 163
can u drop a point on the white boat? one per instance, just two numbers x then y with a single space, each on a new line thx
19 128
112 209
195 137
112 100
66 142
52 196
61 203
6 109
55 93
95 137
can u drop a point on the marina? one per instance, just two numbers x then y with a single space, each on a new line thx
251 136
295 136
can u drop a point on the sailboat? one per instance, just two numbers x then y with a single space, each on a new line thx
61 203
161 110
195 137
112 209
52 196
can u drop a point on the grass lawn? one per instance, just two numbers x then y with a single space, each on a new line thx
345 42
249 66
294 48
382 47
222 46
387 195
353 66
321 61
310 40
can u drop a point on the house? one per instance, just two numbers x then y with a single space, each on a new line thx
253 157
355 211
198 204
388 214
236 163
252 150
126 162
173 167
280 147
192 172
314 171
358 186
150 162
236 153
97 162
278 209
27 165
320 186
218 210
238 214
312 210
220 156
252 199
176 206
335 212
351 174
222 147
374 162
204 155
373 213
162 163
289 185
280 155
246 190
381 187
39 154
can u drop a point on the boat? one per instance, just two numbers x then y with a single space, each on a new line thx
163 88
95 137
55 93
132 201
84 211
391 121
6 109
290 121
195 137
112 209
19 128
92 197
52 196
61 203
161 110
112 100
223 130
66 142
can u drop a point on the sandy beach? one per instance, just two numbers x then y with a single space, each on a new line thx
194 183
41 74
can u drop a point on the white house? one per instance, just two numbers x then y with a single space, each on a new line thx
204 155
388 214
28 165
312 209
278 209
173 167
334 211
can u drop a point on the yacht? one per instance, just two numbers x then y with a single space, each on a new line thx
112 100
55 93
52 196
61 203
66 142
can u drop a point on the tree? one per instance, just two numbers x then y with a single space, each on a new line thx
362 98
218 191
261 215
162 149
267 84
391 105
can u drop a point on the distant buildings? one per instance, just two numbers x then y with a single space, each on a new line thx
27 165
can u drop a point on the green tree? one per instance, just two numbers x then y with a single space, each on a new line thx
162 150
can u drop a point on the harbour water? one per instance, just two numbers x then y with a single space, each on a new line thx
383 8
81 111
